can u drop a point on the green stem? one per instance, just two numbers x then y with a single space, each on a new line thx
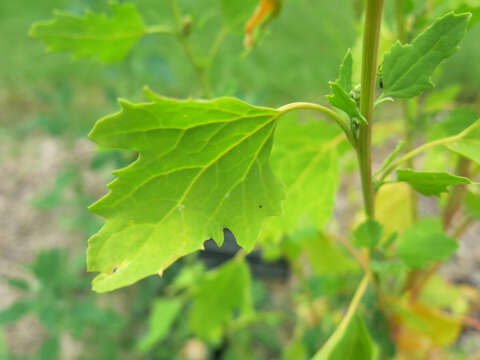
352 308
198 65
373 21
424 147
323 109
159 29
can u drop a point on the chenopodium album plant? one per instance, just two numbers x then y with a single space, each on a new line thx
209 165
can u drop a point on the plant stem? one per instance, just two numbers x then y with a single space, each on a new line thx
427 146
198 65
323 109
373 21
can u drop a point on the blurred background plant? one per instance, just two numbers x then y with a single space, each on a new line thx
204 307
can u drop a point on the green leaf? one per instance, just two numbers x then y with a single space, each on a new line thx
407 68
341 88
424 242
430 183
368 234
350 341
454 123
341 100
50 349
472 204
224 291
203 166
164 312
345 73
18 283
93 35
305 158
469 145
15 311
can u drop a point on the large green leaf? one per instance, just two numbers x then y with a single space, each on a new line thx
165 310
203 166
424 242
350 341
430 183
93 35
407 68
225 291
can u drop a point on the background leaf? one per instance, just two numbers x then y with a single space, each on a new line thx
424 242
93 35
164 312
368 233
224 291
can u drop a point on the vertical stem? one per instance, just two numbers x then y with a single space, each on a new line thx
373 21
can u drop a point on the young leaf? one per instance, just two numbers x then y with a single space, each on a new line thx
430 183
469 145
345 73
407 68
341 88
203 166
425 242
15 311
369 233
165 310
93 35
350 341
224 291
341 100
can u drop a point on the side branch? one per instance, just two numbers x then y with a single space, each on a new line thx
323 109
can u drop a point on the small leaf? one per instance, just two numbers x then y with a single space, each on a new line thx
164 312
345 73
224 291
425 242
368 234
18 283
93 35
15 311
407 68
469 145
203 166
341 100
350 341
430 183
